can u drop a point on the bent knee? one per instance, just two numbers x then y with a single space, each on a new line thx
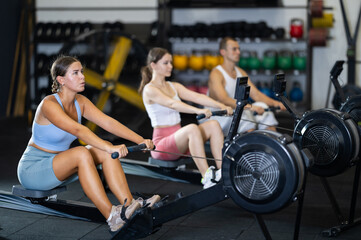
214 123
83 155
192 129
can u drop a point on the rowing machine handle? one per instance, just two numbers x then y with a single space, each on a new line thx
272 108
214 113
135 148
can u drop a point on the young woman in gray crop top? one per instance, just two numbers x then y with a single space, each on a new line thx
49 162
162 100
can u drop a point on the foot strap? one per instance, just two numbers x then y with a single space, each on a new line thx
122 212
213 179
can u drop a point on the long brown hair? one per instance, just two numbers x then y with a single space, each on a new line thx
59 68
154 55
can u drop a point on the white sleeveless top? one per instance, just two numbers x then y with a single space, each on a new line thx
230 86
163 116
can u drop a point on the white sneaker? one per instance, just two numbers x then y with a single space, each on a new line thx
209 178
218 175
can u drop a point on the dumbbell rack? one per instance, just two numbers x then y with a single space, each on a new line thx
168 16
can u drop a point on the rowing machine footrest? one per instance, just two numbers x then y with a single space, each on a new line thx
20 191
170 163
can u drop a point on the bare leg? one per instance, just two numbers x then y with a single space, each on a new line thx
211 130
80 160
114 175
190 137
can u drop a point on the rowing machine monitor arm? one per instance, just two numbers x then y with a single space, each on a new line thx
279 88
241 95
335 72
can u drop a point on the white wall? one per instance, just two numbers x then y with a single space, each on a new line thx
144 11
325 57
135 11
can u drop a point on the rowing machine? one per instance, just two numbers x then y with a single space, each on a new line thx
333 137
350 104
255 169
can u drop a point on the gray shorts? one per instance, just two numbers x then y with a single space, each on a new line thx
35 170
248 120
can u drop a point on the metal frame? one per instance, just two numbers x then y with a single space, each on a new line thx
351 45
350 222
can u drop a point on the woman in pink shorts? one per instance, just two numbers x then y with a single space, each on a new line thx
163 102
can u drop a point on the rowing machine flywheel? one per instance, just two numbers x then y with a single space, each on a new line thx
333 139
263 171
348 90
353 107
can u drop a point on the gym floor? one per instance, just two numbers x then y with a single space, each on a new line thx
224 220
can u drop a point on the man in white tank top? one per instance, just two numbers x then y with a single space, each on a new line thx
222 84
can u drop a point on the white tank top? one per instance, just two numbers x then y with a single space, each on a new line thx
163 116
230 86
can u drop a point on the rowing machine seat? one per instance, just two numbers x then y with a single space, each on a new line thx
20 191
170 163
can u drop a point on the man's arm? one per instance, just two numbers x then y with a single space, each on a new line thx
258 96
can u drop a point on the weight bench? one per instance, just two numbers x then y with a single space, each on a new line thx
48 198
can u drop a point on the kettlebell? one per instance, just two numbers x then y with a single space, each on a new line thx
269 61
254 63
299 60
296 94
264 88
284 60
243 60
296 28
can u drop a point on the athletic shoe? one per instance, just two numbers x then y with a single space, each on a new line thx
120 215
218 175
209 178
149 202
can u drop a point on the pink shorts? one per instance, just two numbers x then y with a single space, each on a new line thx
164 140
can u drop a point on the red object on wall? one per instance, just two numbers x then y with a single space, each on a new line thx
296 29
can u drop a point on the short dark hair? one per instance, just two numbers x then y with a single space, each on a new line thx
223 42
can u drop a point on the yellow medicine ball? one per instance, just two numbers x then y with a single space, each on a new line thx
180 62
196 62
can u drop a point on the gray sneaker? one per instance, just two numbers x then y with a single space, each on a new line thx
149 201
120 215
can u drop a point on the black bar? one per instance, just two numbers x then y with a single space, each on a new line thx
347 29
354 193
279 87
189 204
333 201
214 113
300 199
263 226
75 208
135 148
